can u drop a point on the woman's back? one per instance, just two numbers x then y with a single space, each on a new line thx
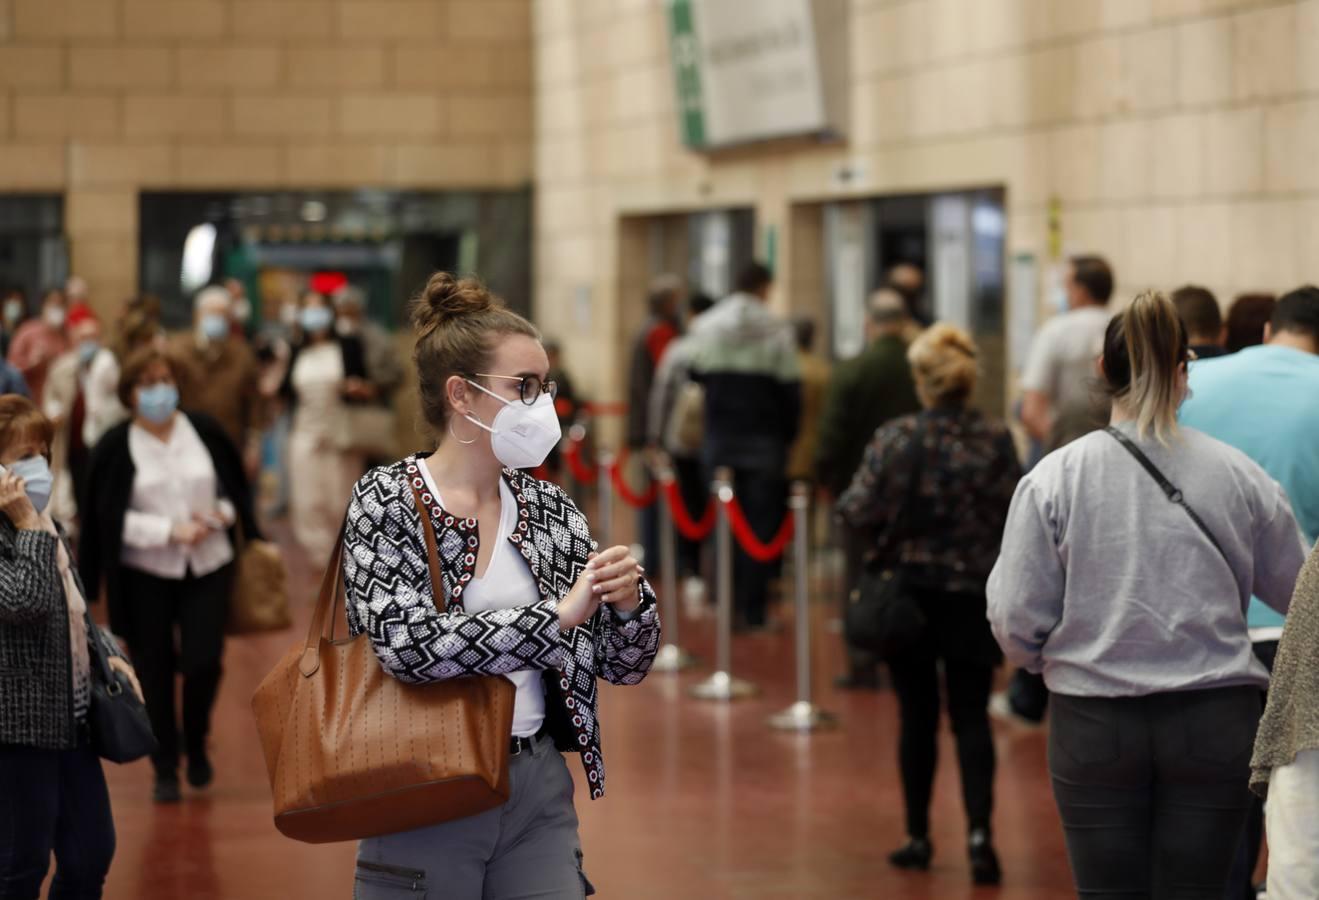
1111 590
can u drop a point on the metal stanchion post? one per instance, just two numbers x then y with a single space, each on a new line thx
802 715
722 685
604 529
671 657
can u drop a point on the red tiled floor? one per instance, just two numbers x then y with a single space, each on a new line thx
705 801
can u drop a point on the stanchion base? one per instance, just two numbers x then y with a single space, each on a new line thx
722 686
803 716
672 658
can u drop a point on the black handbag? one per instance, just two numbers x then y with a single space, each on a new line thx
882 615
120 729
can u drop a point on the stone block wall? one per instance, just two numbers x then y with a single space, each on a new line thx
100 99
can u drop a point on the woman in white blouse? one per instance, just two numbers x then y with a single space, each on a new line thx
324 371
166 491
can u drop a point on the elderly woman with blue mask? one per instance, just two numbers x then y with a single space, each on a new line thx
166 492
326 370
53 797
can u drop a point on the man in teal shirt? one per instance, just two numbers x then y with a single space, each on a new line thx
1265 402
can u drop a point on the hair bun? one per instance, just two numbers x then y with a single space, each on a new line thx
446 298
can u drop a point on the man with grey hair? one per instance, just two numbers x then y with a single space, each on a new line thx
384 372
864 393
220 373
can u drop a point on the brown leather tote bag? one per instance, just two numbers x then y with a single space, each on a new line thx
353 752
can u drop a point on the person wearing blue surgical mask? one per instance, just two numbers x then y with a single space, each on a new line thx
326 373
65 402
166 491
221 375
48 766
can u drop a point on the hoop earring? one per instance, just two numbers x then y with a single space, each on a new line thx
458 439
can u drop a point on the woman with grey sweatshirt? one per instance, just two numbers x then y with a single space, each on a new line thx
1127 563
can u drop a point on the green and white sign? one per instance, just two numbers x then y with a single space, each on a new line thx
745 71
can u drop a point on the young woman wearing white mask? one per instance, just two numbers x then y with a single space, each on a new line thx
528 598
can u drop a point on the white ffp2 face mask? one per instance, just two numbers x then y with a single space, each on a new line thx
522 436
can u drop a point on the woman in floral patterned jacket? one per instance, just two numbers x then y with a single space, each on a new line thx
528 597
935 490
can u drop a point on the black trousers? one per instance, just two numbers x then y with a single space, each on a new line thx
967 685
1239 886
177 627
53 801
695 492
763 496
1153 790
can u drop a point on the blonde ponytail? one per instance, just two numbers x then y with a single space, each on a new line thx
1144 350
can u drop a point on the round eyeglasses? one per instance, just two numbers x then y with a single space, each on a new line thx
530 387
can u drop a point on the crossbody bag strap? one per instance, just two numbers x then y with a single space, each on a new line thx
432 552
1168 487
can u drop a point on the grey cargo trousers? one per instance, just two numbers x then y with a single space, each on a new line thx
527 849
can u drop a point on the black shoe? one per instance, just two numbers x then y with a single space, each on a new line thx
200 773
167 789
915 854
984 861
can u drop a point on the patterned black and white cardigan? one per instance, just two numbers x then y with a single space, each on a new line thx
390 598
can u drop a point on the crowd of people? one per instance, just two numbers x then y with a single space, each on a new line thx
129 460
1133 546
1148 624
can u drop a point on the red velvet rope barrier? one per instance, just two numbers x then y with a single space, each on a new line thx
751 544
682 520
636 501
580 470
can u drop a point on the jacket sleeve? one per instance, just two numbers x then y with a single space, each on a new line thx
625 645
1280 551
1025 590
877 492
390 597
628 644
30 584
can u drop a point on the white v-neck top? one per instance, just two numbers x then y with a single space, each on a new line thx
507 583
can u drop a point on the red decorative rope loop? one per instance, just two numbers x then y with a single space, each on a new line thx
682 520
636 501
583 472
746 537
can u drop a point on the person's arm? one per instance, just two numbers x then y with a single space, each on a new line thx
1025 590
25 350
1036 415
389 596
626 640
1037 380
1279 552
662 389
30 583
878 489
